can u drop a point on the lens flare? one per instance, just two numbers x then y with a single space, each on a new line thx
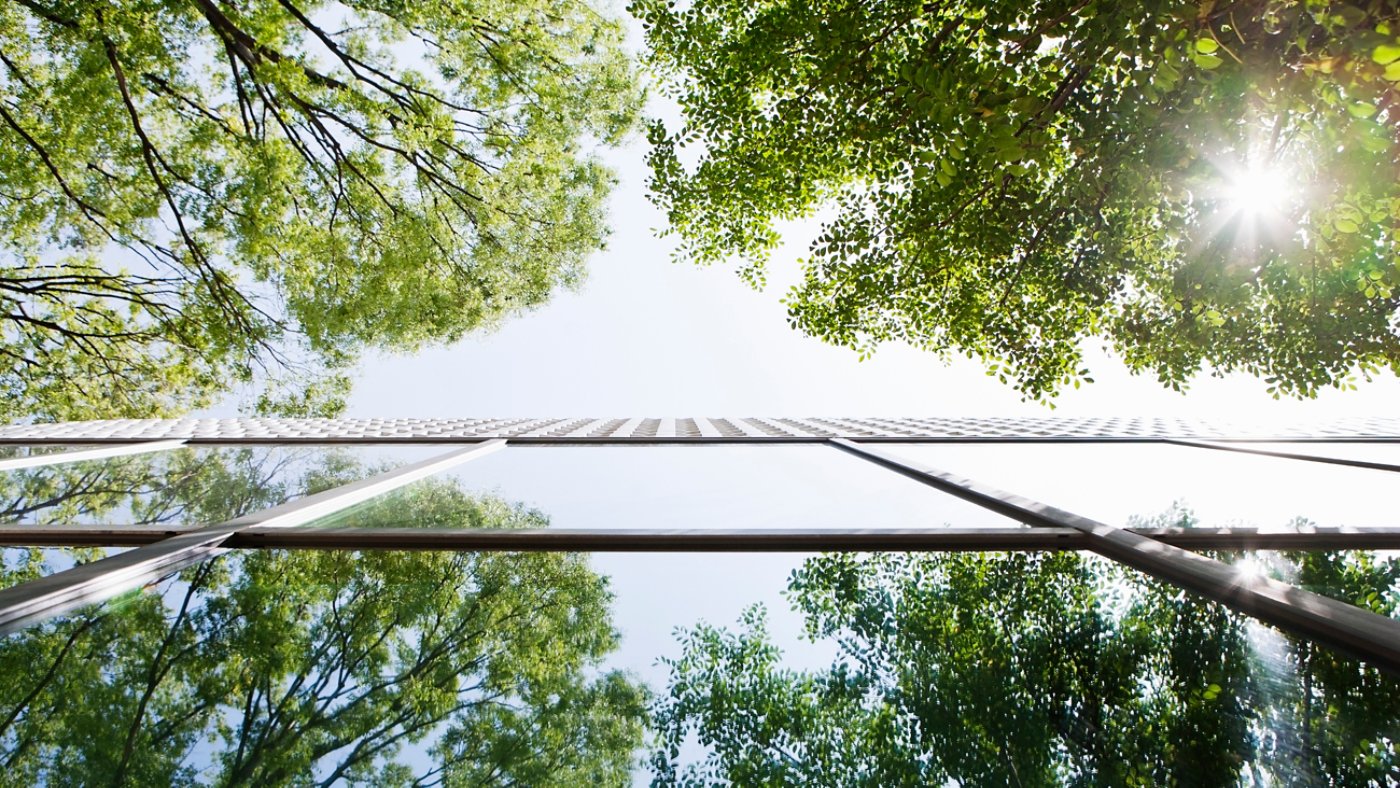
1257 191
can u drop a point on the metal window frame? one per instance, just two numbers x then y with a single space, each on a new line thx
1164 553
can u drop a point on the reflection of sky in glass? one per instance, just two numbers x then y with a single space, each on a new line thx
691 487
1115 482
188 485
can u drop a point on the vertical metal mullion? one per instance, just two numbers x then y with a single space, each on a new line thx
1366 635
99 453
36 600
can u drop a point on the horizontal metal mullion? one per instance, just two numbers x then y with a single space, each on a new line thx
87 535
663 540
624 440
1311 538
412 537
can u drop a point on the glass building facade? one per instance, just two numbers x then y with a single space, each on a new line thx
439 601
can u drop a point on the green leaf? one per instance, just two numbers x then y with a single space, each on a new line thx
1361 109
297 252
1207 62
1386 54
1206 45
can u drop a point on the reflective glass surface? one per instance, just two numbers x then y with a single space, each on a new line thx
270 667
674 487
188 485
1154 484
329 667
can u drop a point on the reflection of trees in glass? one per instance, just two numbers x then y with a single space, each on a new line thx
1030 669
203 485
185 486
375 668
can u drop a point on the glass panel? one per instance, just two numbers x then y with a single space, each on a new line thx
330 667
22 564
674 487
1153 484
1021 669
273 667
189 485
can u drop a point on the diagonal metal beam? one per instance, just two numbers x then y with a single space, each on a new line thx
36 600
98 453
1361 633
1287 455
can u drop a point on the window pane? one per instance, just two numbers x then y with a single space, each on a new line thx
194 485
1115 483
673 487
302 666
327 667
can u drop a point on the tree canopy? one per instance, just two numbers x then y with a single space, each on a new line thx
1030 669
195 195
1199 186
327 667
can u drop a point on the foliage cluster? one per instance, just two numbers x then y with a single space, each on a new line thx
196 195
1012 179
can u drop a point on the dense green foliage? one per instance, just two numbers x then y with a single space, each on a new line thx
321 667
1199 185
1030 669
199 195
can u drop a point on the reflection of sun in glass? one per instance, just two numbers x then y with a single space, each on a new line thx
1249 568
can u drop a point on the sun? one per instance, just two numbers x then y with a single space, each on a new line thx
1257 191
